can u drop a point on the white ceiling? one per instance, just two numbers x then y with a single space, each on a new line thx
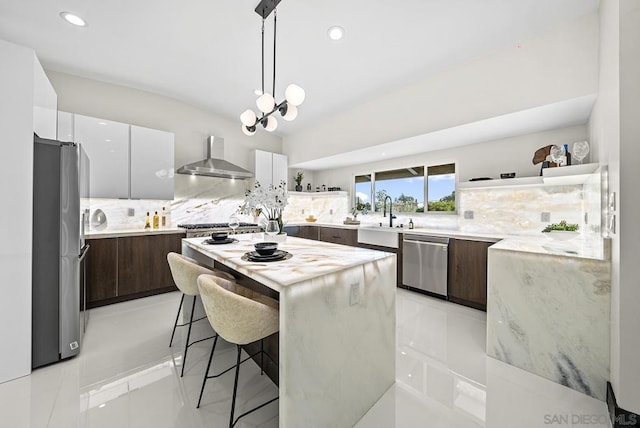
207 52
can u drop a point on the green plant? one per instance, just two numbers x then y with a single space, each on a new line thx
562 226
298 178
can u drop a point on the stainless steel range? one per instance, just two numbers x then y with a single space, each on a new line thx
205 229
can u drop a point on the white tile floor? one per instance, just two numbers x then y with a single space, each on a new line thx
126 376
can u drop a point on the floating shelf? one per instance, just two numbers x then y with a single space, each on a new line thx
563 176
319 194
505 182
566 175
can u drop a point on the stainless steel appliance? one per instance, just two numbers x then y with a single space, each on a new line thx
205 229
60 182
215 166
424 263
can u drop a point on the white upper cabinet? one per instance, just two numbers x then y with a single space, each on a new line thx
270 168
65 126
45 104
280 169
107 145
127 161
152 153
263 170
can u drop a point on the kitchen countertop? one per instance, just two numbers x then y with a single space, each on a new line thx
597 249
579 247
311 259
116 233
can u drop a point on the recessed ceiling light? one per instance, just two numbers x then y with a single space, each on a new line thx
335 33
74 19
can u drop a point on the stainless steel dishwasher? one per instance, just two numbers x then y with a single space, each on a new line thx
424 263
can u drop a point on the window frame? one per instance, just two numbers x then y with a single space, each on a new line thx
425 190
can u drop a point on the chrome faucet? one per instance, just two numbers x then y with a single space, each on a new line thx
384 210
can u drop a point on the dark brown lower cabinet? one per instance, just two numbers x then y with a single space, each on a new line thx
129 267
338 235
102 270
306 232
468 272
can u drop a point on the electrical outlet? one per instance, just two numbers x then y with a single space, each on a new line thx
545 217
131 212
468 215
331 211
354 294
302 211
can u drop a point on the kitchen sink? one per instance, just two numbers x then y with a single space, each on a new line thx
383 236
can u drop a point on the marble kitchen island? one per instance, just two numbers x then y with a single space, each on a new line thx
548 308
337 324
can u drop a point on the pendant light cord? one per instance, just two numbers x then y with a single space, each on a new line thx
275 18
263 55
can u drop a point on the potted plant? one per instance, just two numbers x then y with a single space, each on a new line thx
562 231
358 208
298 179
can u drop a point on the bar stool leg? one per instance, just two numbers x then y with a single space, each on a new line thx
235 389
206 373
175 324
186 346
261 357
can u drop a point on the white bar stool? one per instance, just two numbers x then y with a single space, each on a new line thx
185 272
240 316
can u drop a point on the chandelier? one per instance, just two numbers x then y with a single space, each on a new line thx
293 95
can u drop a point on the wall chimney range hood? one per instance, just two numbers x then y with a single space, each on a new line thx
215 166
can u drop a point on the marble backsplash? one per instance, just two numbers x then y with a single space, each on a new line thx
500 210
197 200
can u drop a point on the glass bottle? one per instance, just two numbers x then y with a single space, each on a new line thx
156 220
163 219
147 224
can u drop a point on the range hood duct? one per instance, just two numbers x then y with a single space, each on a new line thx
215 167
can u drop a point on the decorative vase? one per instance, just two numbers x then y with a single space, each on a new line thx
298 187
273 228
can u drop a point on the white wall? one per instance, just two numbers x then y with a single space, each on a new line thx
16 187
628 384
477 160
559 65
614 131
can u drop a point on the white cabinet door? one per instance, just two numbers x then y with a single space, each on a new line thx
152 153
65 126
107 146
264 168
279 169
45 104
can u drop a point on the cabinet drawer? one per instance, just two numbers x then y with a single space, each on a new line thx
338 236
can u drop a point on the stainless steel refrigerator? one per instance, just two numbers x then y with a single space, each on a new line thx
60 191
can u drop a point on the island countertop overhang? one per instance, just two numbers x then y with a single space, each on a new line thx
310 259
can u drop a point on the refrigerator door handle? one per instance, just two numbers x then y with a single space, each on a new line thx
83 252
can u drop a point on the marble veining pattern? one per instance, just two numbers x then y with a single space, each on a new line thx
550 316
328 342
310 259
337 325
518 210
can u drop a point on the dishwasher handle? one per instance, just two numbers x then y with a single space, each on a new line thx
426 239
435 244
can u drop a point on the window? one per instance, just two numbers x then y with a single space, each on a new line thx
363 193
441 188
404 186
